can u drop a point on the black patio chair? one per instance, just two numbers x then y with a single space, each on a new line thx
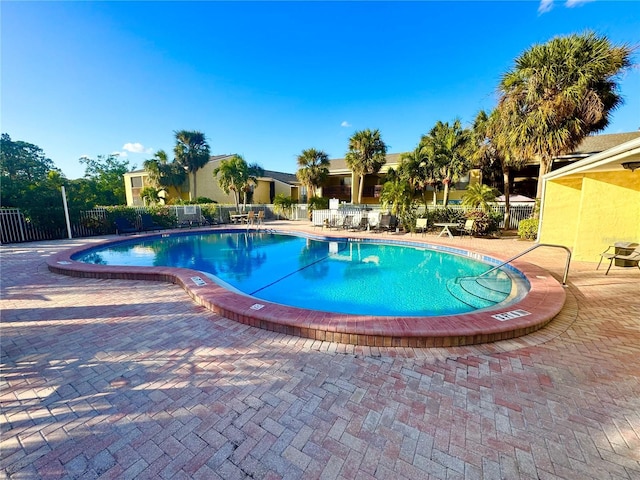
124 226
148 224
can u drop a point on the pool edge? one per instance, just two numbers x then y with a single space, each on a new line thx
544 301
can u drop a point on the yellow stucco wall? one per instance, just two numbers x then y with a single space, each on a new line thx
561 197
592 211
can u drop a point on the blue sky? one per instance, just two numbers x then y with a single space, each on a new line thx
267 80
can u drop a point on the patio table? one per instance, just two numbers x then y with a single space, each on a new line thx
445 228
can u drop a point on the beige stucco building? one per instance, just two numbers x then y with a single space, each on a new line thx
343 185
269 185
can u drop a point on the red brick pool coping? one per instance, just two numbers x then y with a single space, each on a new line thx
543 302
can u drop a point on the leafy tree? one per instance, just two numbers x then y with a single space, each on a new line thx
479 195
450 147
192 153
395 194
282 204
313 169
418 169
367 154
31 182
236 175
558 93
164 174
105 176
491 144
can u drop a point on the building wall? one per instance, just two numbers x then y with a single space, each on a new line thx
589 212
207 186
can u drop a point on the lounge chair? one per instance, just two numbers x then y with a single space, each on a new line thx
148 224
260 218
347 222
421 225
385 222
124 226
468 228
622 251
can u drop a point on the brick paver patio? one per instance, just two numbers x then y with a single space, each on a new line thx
131 379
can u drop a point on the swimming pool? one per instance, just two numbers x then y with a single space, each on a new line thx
543 301
332 275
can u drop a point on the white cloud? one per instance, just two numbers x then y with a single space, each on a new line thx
345 124
545 6
576 3
136 148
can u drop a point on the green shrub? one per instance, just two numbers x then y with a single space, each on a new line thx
528 228
317 203
483 223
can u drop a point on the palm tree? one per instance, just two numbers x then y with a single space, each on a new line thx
558 93
235 175
418 169
313 169
367 154
192 153
479 195
164 174
395 194
490 144
450 147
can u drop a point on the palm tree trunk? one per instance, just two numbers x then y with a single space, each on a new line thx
195 190
445 198
360 188
507 193
545 167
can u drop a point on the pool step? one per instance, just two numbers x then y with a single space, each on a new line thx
480 292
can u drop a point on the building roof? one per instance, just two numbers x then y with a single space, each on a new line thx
599 143
611 159
288 178
337 164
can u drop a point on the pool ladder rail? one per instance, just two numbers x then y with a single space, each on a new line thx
481 294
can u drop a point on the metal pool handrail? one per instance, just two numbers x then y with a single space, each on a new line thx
566 267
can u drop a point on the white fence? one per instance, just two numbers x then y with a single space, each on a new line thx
518 212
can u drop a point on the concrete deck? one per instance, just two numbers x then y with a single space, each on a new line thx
131 379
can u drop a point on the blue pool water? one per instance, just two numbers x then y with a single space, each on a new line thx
356 277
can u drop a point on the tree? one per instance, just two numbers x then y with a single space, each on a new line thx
489 145
479 196
418 169
395 194
163 174
235 175
31 182
450 147
558 93
313 169
105 173
192 153
367 154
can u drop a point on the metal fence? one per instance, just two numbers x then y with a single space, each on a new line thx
15 228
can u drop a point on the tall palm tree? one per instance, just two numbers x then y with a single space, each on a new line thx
450 145
192 153
558 93
313 169
367 154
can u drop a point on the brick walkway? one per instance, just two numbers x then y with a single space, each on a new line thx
126 379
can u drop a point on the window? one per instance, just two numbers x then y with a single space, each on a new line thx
136 182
